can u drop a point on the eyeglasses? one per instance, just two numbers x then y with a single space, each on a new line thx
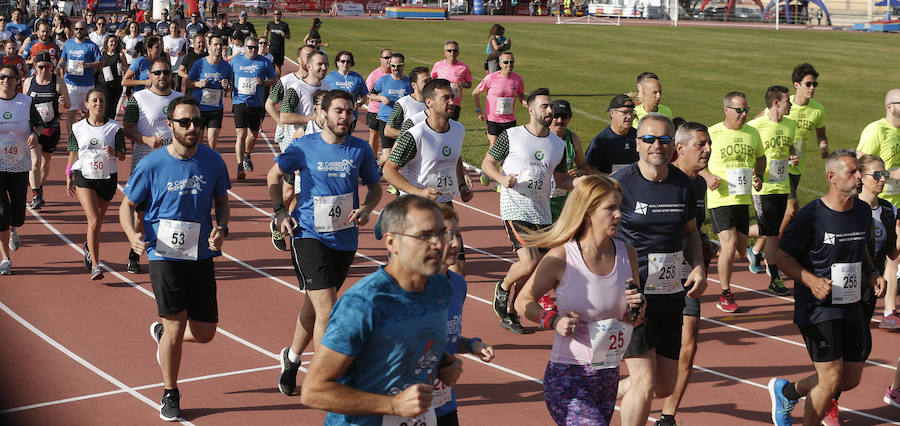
507 62
185 122
879 174
8 76
451 50
386 58
812 84
431 236
650 139
397 65
740 111
251 47
161 72
626 112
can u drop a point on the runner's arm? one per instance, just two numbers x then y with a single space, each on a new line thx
820 287
128 80
823 141
465 191
693 253
759 169
360 216
63 91
546 277
288 105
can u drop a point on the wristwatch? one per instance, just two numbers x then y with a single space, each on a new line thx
224 229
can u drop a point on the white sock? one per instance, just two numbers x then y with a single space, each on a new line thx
292 356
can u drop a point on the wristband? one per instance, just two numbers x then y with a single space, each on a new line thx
224 229
279 208
69 170
472 340
547 319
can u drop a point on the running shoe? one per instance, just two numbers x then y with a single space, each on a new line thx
133 266
831 416
755 260
170 410
277 237
156 332
511 323
666 422
5 267
287 382
547 303
248 164
240 172
96 273
890 322
391 190
87 257
37 202
726 303
892 397
777 287
781 406
14 241
485 180
501 300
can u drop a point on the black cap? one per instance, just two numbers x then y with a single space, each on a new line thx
197 14
43 56
561 107
621 101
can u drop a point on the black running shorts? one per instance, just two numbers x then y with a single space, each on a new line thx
48 143
372 120
769 212
318 266
494 128
727 217
105 188
185 285
246 117
515 229
212 119
837 339
661 329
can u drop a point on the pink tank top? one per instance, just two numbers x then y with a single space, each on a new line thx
594 297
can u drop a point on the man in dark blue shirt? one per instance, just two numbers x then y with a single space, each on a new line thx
614 147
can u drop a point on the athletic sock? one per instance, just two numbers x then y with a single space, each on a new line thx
725 292
292 356
40 190
790 392
837 395
773 271
666 420
34 192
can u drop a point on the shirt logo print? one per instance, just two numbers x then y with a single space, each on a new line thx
640 208
539 155
828 238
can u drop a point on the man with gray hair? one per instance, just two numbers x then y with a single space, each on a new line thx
738 158
659 221
824 252
649 93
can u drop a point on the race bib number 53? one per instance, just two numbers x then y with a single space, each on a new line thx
177 240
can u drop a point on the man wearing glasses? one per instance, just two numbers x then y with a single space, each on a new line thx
194 28
277 31
251 73
324 228
738 159
659 220
144 123
650 93
80 59
99 35
374 104
180 238
614 148
387 90
776 131
454 71
386 339
162 26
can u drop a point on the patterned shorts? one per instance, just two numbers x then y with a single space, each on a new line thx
580 395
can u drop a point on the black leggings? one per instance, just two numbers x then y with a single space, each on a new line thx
111 95
13 189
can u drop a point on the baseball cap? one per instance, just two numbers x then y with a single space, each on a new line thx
621 101
561 107
197 14
244 13
43 56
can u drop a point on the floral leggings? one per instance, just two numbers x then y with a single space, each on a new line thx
580 395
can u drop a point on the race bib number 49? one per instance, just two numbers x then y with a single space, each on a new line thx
332 213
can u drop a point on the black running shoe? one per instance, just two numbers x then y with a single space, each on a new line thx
87 257
156 332
37 202
511 323
170 410
248 164
287 382
133 266
240 172
277 237
501 300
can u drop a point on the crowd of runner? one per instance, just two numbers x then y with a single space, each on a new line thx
610 249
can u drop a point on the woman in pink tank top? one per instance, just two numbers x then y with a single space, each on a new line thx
589 272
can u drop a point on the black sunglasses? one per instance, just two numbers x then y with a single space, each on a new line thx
650 139
451 50
185 122
878 174
385 57
161 72
812 84
251 47
739 110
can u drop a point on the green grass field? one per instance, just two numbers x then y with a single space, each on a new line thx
587 65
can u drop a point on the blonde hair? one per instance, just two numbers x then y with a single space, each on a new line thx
867 162
582 201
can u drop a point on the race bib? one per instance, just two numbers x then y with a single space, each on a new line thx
441 394
331 213
505 106
891 186
46 111
664 273
177 240
429 418
609 339
444 182
845 280
686 269
246 86
778 171
457 89
530 182
76 67
211 97
11 151
94 164
108 73
739 181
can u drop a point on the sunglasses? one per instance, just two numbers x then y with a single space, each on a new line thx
507 62
397 65
451 50
185 122
740 111
386 58
251 47
41 67
812 84
262 43
344 61
563 116
879 174
8 76
161 72
650 139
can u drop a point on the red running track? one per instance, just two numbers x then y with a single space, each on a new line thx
79 352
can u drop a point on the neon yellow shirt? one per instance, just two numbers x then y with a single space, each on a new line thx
639 112
807 117
883 139
777 138
734 154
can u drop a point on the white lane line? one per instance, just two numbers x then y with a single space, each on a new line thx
80 360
